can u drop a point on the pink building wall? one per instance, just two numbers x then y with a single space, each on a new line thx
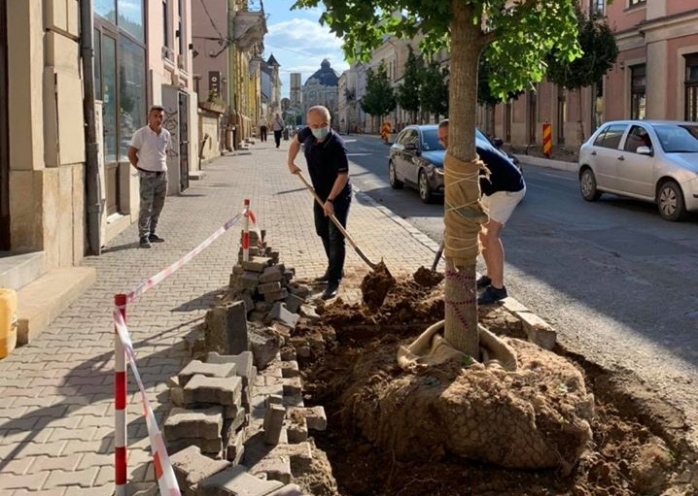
205 60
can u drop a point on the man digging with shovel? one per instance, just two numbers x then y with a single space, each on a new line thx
328 166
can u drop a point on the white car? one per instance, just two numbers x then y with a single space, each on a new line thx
654 161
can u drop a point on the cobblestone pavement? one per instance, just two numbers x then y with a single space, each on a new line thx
56 413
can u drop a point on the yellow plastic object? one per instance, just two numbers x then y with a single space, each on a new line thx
8 321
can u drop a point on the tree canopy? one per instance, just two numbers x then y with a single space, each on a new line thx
379 99
600 51
433 89
408 93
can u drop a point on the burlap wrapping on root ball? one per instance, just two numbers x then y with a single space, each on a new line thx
536 417
463 213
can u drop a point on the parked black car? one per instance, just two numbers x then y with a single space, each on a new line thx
417 159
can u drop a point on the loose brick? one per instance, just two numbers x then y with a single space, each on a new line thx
235 447
308 311
191 467
281 313
290 369
206 369
293 303
226 329
265 345
292 385
298 290
276 295
315 417
269 287
184 423
211 447
275 273
235 481
244 364
297 430
273 423
257 264
289 490
213 390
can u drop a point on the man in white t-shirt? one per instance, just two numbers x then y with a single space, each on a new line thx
148 155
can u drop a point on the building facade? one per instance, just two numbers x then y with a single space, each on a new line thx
270 88
296 93
76 80
655 77
322 89
228 43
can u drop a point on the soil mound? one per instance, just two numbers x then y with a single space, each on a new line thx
427 278
375 286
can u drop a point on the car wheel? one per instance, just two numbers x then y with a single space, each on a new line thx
670 201
392 177
424 188
587 186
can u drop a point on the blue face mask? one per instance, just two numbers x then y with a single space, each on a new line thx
321 133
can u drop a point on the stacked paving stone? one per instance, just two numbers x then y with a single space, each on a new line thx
239 425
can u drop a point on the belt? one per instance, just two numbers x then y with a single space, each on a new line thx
159 173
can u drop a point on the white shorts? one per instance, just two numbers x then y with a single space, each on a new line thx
500 205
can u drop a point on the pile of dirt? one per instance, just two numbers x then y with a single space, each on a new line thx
375 286
354 361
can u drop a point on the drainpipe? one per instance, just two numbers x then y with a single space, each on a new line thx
92 181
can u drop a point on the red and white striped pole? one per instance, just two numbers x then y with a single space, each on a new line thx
120 389
246 233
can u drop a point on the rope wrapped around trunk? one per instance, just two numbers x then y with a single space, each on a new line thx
463 213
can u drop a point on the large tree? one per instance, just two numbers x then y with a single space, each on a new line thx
519 33
408 92
433 89
598 43
379 99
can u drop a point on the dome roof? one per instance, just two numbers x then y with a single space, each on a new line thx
326 75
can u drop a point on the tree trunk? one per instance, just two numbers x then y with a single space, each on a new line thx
462 196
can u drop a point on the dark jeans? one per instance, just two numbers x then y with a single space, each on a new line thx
277 138
263 133
332 239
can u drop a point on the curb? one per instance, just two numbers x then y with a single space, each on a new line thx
547 163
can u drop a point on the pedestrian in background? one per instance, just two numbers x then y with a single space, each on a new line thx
263 129
148 155
328 165
501 193
277 126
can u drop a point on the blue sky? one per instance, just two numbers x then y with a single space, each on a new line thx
299 42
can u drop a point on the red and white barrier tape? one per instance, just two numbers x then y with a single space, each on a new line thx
165 273
167 483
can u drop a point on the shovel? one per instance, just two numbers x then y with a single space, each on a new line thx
334 220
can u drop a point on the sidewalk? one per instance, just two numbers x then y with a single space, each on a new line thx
56 413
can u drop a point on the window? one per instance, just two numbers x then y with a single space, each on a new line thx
635 3
638 83
610 136
598 7
431 141
678 139
166 27
691 87
637 137
132 104
131 18
98 63
180 27
106 9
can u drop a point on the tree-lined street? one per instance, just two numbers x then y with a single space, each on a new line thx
613 277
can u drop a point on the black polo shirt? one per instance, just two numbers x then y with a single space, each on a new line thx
326 161
505 175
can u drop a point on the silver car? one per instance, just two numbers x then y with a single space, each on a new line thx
654 161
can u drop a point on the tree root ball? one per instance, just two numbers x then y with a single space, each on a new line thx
536 417
375 286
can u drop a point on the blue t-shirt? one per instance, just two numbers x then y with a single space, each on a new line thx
505 175
326 161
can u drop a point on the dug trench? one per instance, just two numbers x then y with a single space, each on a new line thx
638 445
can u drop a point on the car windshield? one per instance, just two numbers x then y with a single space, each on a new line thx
431 141
479 134
678 138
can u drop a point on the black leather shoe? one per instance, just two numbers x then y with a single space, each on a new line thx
323 278
331 291
154 238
